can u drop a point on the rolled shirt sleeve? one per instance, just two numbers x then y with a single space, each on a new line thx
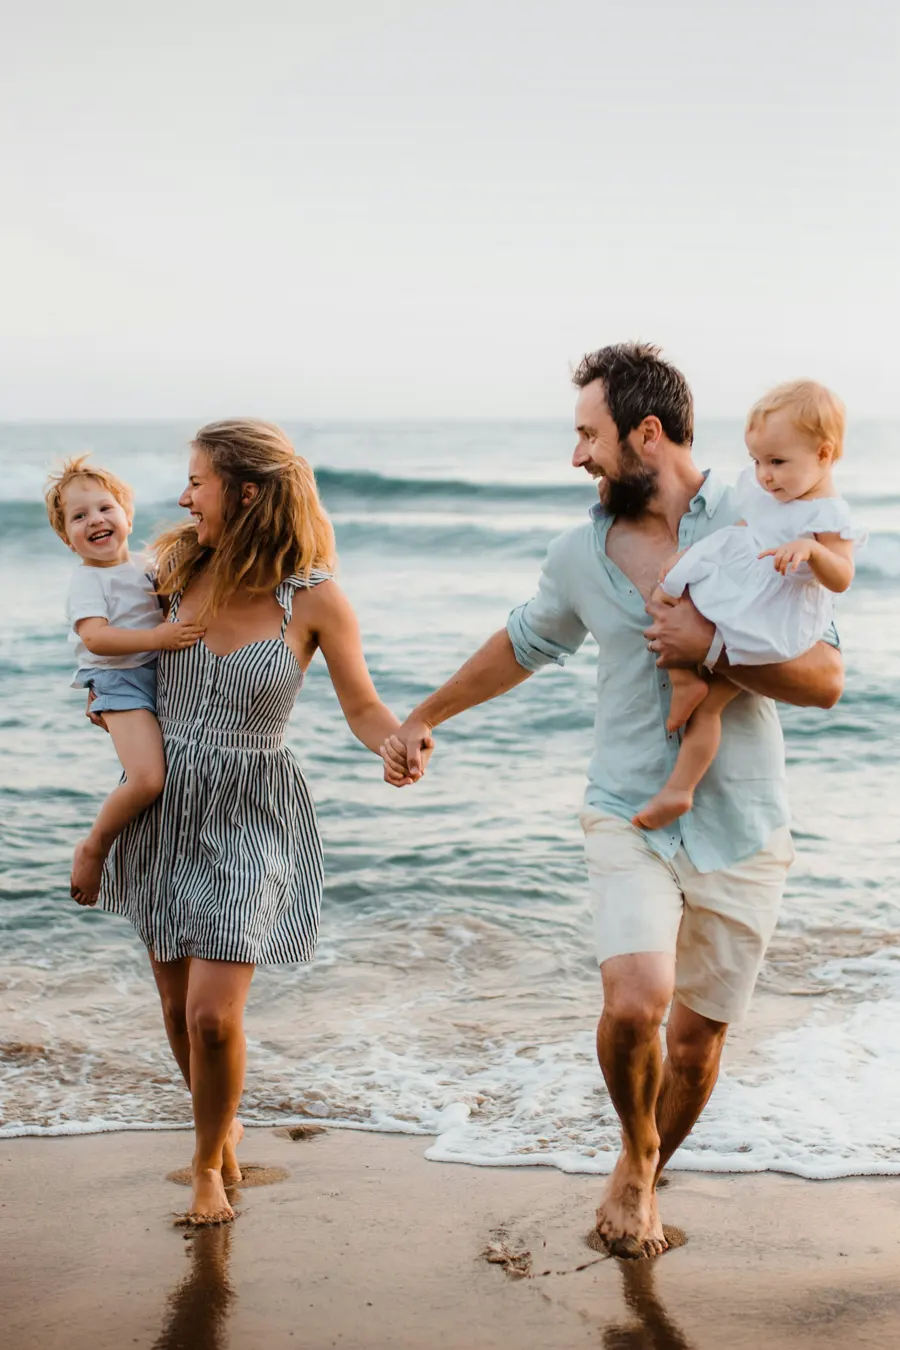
547 629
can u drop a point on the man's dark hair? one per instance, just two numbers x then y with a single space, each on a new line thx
638 384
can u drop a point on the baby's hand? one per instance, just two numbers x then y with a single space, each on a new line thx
789 557
171 637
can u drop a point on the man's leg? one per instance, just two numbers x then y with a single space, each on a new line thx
636 992
694 1047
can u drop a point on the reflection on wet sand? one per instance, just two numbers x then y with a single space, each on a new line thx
654 1330
198 1307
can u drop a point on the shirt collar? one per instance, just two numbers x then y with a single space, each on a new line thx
707 498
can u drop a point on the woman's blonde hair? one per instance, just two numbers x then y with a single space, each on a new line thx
812 408
281 531
77 470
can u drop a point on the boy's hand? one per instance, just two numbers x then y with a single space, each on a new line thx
171 637
789 557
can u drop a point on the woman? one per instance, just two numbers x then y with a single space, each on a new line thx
225 870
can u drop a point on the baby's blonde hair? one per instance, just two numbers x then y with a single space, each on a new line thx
78 470
283 530
812 408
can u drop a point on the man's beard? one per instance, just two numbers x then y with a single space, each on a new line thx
632 489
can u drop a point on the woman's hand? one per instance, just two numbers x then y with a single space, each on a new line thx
406 753
96 718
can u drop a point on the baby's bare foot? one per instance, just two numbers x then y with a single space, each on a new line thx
688 692
662 809
87 869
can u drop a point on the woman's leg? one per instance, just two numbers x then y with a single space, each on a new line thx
699 747
172 982
217 992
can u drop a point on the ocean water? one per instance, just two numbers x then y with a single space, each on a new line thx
455 992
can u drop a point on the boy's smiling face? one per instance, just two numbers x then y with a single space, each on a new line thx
97 526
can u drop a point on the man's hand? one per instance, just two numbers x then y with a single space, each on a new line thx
789 557
679 634
406 753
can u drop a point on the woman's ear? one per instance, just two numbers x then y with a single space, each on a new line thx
249 493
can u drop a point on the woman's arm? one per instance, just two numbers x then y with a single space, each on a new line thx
103 639
336 632
829 556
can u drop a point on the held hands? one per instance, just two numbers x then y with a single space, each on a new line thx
789 557
171 637
406 753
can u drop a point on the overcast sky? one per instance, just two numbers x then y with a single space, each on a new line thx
394 208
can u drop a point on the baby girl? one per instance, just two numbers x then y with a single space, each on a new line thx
117 627
767 582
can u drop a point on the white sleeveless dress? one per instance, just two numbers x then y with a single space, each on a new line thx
762 616
227 864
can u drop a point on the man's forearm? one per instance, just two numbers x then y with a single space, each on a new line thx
813 680
490 672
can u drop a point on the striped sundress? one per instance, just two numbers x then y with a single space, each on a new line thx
227 864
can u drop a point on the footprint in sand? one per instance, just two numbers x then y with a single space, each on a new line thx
253 1174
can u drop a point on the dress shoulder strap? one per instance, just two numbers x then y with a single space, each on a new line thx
284 593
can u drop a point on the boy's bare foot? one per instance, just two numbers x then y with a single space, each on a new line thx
209 1203
662 809
628 1218
231 1172
87 869
688 692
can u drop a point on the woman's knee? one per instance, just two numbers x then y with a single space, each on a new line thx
174 1013
211 1026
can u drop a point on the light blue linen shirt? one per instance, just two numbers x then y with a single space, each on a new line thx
743 797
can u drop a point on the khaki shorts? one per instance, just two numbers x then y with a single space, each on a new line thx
716 924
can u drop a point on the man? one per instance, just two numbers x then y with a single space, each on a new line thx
682 915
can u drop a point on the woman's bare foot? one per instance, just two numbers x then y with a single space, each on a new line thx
231 1172
209 1203
628 1218
688 691
87 869
662 809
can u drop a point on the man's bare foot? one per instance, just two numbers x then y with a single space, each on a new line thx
209 1203
87 869
688 692
662 809
231 1172
628 1218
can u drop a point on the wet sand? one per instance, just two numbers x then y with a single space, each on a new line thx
364 1245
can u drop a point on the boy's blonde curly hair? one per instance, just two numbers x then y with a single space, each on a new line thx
72 471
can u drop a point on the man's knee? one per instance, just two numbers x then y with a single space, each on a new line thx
635 1016
695 1055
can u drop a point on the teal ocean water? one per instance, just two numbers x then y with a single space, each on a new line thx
455 992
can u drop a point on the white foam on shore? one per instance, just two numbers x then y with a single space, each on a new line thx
819 1100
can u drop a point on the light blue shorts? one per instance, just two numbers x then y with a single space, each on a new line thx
120 690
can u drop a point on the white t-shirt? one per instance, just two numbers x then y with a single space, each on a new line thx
124 596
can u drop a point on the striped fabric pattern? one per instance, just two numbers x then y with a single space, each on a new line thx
227 864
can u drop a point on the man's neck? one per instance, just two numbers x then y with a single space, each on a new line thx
675 491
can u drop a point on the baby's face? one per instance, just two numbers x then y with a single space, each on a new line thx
788 462
97 526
